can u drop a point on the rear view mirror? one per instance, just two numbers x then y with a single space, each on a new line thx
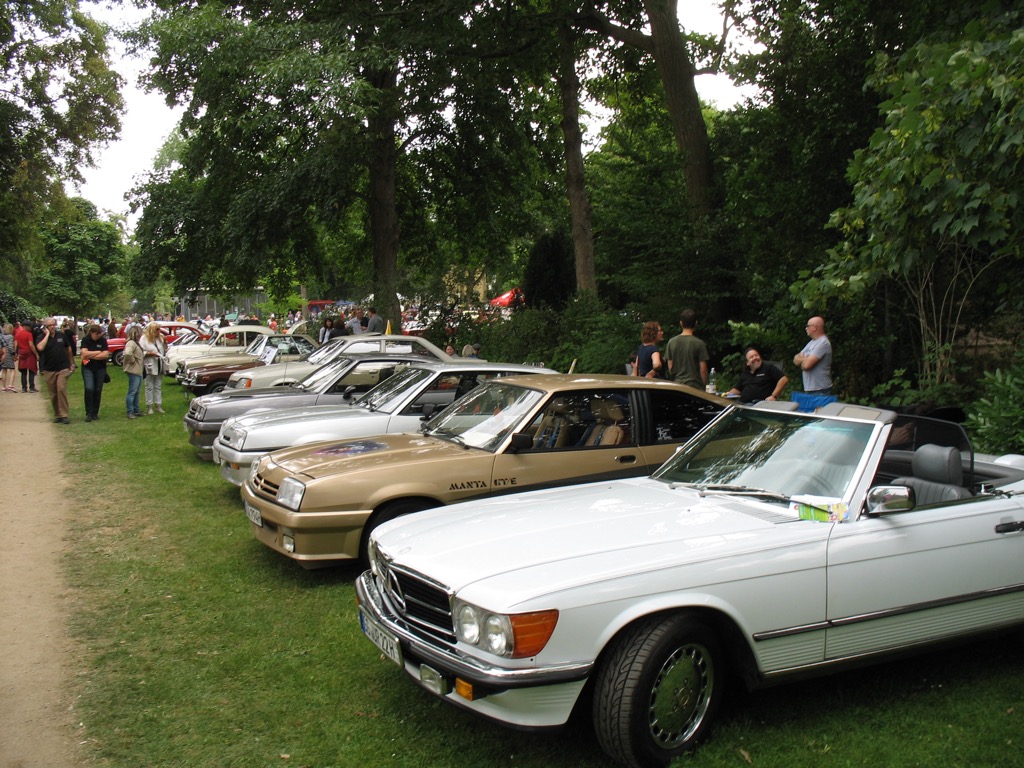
885 499
520 442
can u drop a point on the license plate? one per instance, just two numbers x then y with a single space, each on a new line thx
380 637
253 514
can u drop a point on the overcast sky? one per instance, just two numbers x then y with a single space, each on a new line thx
148 121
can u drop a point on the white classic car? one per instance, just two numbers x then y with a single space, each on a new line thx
400 403
772 545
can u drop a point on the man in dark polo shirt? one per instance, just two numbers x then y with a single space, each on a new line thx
56 363
759 380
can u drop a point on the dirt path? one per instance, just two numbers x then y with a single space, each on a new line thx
37 718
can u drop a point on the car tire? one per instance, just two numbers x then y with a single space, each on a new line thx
657 690
388 512
119 357
217 386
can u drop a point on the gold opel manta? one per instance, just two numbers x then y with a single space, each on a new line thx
318 503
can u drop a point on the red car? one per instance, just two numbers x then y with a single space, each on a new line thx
170 329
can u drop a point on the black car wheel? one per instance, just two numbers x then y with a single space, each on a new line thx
658 690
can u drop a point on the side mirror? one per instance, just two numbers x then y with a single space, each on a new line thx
349 392
520 442
427 409
886 499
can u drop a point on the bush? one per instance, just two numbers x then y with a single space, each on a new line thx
996 419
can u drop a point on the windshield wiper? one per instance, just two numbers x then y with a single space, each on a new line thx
448 434
703 489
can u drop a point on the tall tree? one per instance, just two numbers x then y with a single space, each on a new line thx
83 259
297 114
58 98
677 68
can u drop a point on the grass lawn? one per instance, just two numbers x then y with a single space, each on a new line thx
200 647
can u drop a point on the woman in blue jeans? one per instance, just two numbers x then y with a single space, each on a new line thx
132 366
94 356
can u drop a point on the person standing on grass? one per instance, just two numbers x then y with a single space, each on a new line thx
8 357
153 348
94 354
28 356
133 368
58 363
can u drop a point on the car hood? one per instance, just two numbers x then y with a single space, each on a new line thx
254 396
526 544
391 452
311 415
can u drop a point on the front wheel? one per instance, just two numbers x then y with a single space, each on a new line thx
658 690
119 357
217 386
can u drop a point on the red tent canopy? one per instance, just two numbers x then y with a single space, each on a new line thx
508 298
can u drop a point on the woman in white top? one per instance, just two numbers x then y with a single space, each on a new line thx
153 348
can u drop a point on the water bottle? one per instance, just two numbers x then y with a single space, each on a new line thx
711 389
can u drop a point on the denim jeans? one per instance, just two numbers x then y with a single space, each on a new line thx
131 400
93 379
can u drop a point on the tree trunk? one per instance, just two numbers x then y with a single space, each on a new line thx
384 228
575 183
677 73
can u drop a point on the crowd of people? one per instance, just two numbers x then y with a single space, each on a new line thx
685 360
48 349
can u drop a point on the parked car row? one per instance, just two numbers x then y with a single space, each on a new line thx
537 540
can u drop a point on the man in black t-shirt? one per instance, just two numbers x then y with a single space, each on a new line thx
56 362
759 380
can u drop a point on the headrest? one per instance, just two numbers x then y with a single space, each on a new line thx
938 464
606 410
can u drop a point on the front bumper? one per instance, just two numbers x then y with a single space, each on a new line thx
202 435
311 538
536 697
234 465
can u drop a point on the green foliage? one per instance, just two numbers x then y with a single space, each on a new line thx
996 419
937 193
58 98
83 261
14 309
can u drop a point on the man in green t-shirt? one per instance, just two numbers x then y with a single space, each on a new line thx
687 355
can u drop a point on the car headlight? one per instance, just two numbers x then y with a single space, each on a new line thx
254 469
289 494
244 384
200 414
515 636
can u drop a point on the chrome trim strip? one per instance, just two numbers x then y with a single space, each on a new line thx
900 611
453 663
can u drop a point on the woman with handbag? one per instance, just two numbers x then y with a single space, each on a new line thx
153 348
94 354
133 368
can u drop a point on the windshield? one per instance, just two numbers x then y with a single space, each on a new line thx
324 373
486 416
326 353
256 345
392 392
788 455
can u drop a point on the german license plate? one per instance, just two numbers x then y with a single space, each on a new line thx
380 637
253 514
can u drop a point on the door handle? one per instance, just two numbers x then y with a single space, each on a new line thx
1010 527
626 458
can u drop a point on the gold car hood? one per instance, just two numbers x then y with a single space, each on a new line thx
334 457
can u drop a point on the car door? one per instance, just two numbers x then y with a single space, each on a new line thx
905 578
578 436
